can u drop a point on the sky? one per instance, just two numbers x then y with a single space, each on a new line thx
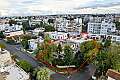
51 7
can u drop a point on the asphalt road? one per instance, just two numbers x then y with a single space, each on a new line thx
21 54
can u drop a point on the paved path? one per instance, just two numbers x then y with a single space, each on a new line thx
86 74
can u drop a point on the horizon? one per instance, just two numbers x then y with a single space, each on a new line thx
60 14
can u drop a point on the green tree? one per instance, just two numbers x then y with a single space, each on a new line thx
41 24
2 35
25 25
68 54
102 63
50 49
48 28
106 55
34 73
85 47
105 59
25 65
43 74
115 55
78 59
37 26
46 50
25 44
46 39
117 25
107 43
27 37
59 49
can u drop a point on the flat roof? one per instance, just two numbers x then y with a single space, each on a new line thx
15 73
78 40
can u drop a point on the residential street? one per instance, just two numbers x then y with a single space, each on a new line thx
82 75
14 49
22 55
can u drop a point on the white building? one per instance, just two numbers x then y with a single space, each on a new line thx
8 28
16 33
2 27
103 28
75 43
8 69
38 30
60 24
33 43
34 22
64 24
107 27
57 35
94 28
115 38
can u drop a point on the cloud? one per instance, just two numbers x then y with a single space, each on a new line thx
44 7
99 3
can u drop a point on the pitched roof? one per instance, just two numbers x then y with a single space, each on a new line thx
113 74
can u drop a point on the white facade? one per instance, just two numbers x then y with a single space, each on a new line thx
115 38
57 35
8 28
33 43
94 28
102 28
34 22
2 27
75 43
107 27
38 30
60 24
63 24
